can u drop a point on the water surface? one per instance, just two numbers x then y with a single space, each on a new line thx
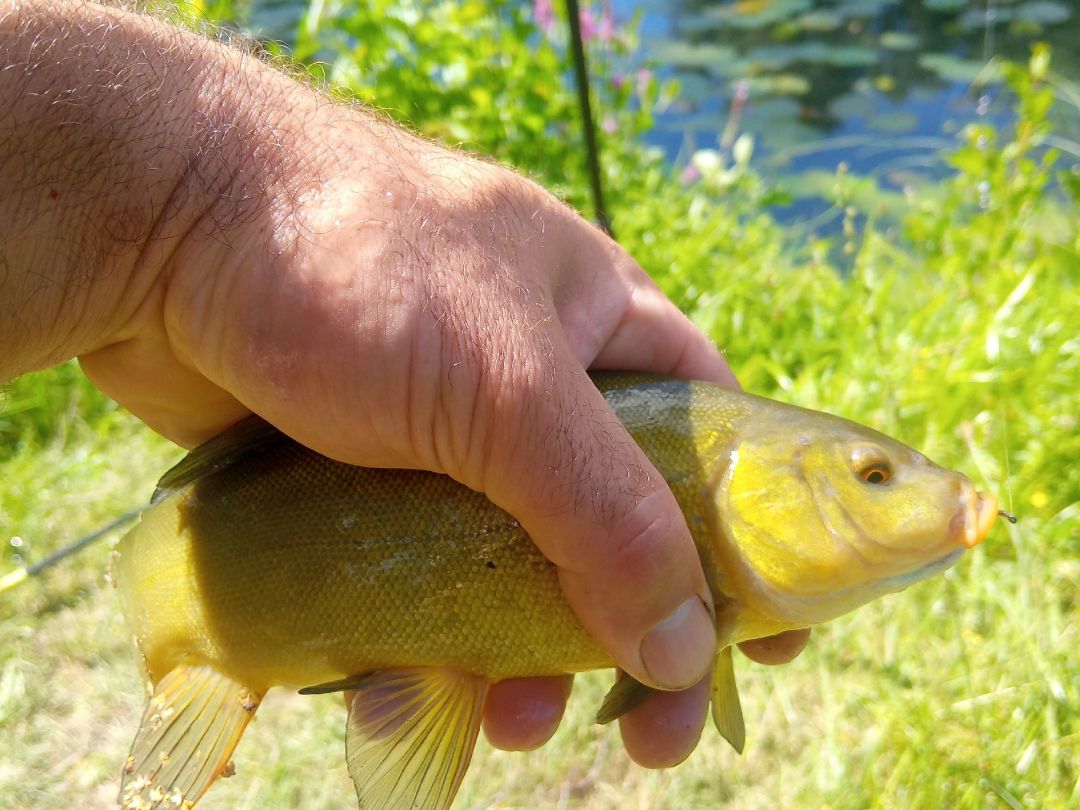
878 85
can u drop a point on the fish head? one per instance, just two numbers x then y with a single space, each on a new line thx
822 515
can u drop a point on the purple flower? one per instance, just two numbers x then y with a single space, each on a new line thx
618 82
602 29
610 125
644 79
544 15
690 174
589 27
606 28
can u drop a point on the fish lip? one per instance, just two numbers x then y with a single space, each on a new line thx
975 515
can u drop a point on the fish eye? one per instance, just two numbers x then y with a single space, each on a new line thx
875 474
871 465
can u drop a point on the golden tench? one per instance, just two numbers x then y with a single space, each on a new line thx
261 563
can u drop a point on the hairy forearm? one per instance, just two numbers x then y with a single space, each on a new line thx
122 140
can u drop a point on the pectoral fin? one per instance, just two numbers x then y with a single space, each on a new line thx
627 694
189 730
624 695
726 709
410 736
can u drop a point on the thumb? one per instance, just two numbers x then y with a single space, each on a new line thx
600 511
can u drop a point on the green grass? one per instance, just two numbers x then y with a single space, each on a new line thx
954 328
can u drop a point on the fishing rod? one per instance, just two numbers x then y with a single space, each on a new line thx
592 149
20 575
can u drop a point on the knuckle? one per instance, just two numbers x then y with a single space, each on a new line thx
642 545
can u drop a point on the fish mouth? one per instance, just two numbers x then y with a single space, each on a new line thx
974 517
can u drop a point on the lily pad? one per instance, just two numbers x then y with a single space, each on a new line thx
1025 28
895 122
978 17
696 87
696 24
777 57
1045 12
695 123
820 20
755 14
851 56
853 105
954 69
899 40
775 123
945 5
864 8
779 84
691 54
863 192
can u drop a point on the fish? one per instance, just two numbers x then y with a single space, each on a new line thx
261 564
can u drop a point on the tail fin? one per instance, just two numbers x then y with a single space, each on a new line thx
189 730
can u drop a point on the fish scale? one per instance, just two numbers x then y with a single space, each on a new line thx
389 589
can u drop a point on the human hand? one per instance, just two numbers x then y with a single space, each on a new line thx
390 303
441 316
445 324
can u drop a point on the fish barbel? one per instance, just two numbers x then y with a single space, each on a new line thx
262 564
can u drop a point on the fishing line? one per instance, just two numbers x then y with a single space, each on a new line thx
20 575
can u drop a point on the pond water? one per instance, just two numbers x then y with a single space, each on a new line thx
880 85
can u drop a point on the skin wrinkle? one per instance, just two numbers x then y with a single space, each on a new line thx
175 333
290 231
468 350
640 557
573 481
476 375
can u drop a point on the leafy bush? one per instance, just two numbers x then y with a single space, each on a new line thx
483 75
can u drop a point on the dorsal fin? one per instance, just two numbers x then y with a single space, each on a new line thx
228 447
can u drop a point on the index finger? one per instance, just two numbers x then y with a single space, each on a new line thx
617 318
601 512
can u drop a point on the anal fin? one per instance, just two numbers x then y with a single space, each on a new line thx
726 708
410 736
188 732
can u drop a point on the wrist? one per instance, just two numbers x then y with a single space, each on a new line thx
128 144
